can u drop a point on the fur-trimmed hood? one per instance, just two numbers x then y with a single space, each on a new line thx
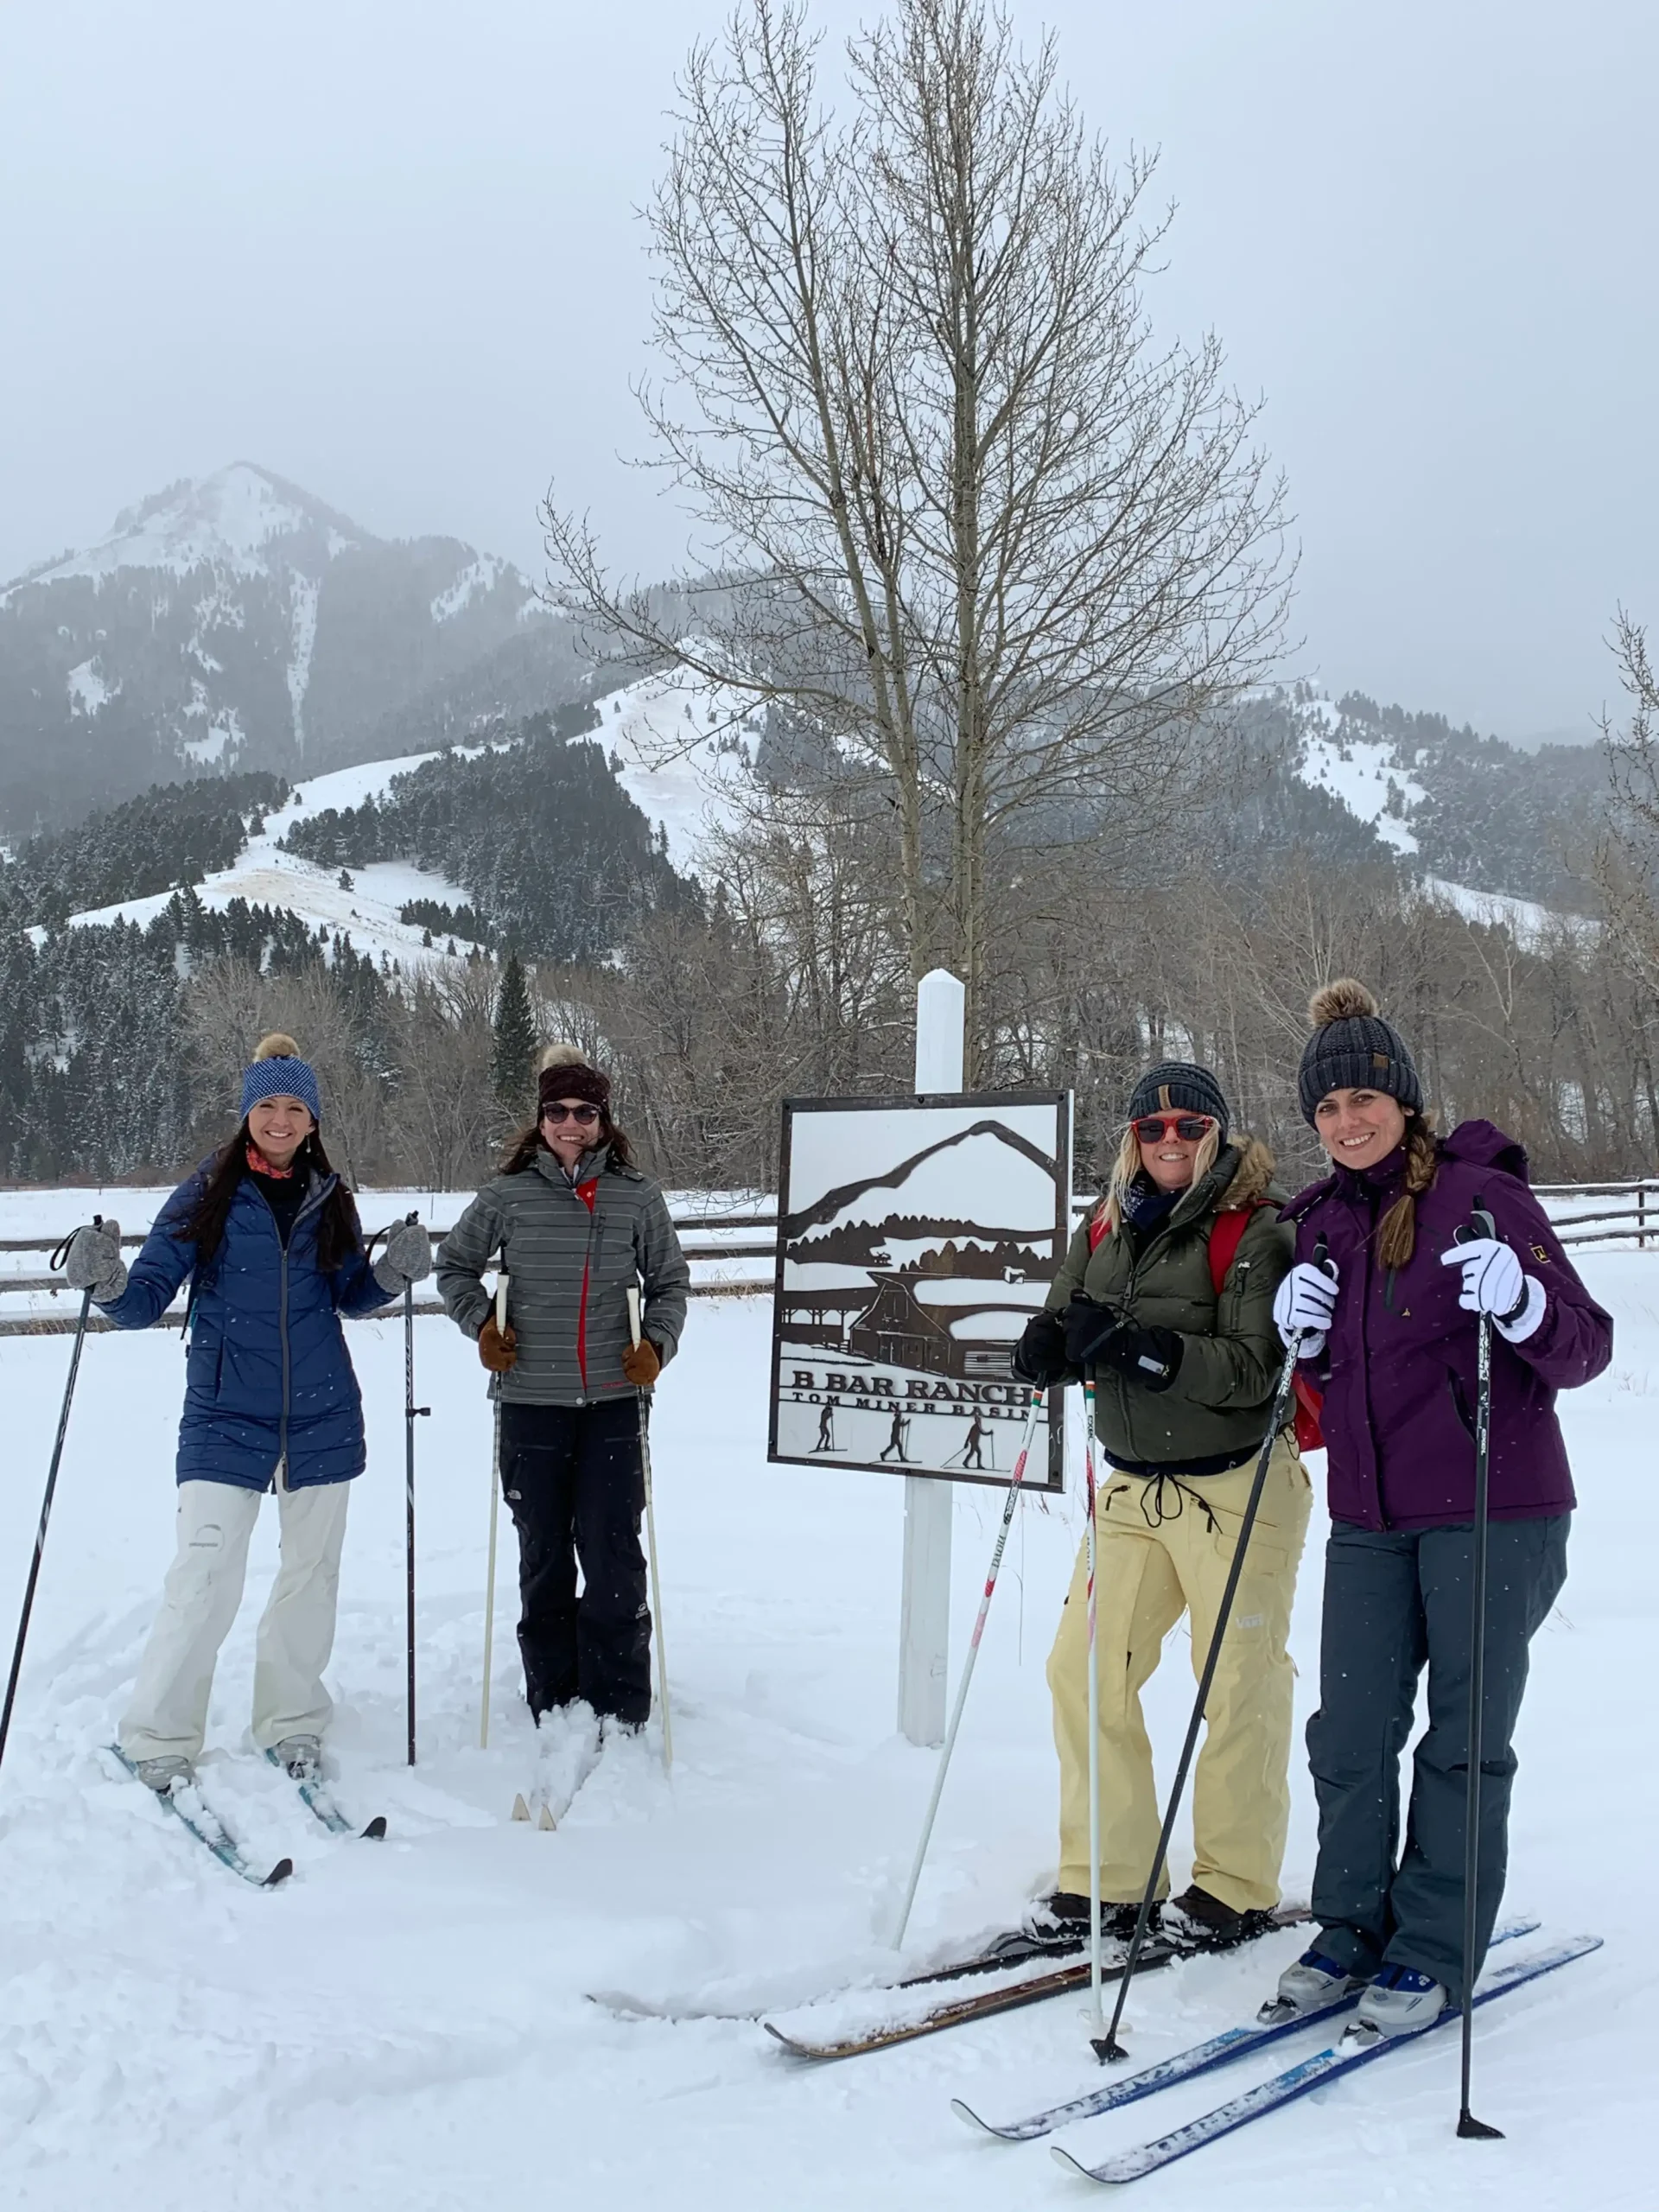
1253 1183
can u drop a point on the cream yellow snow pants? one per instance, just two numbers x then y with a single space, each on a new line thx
168 1713
1150 1570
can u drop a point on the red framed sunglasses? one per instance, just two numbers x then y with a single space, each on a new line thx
1153 1129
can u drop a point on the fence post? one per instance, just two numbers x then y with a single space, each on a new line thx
930 1500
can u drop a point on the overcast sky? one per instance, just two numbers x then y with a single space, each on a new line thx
390 251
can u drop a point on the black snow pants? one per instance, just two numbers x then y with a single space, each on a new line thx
1395 1601
574 1483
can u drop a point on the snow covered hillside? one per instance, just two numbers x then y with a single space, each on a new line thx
682 747
367 912
406 2027
1500 834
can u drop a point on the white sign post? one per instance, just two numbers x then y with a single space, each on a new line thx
924 1615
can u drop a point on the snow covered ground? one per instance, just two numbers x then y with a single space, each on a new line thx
1362 775
669 733
687 791
367 913
406 2026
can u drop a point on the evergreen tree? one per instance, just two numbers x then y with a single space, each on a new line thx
512 1062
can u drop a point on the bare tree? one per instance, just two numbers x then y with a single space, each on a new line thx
445 1104
969 521
230 1004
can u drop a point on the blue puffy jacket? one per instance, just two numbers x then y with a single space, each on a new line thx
268 1373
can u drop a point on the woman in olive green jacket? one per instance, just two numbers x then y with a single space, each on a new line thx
1164 1300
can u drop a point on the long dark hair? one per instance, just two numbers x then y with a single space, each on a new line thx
523 1147
339 1233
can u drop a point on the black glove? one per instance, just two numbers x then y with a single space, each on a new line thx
1087 1327
1149 1357
1039 1356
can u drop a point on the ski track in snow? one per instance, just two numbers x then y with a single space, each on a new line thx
405 2024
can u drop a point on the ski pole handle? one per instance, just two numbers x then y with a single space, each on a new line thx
501 1301
633 1312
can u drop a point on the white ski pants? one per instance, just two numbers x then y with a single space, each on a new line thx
168 1712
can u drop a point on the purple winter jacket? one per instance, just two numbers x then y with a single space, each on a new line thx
1399 1366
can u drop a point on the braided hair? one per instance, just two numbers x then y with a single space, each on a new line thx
1396 1233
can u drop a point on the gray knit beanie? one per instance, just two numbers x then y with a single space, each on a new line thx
1179 1087
1352 1048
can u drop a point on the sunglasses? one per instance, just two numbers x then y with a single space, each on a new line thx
584 1116
1153 1129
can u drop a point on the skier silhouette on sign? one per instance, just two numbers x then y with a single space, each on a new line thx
894 1446
826 1427
976 1435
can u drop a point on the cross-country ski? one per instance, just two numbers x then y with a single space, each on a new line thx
1222 2049
1356 2049
184 1799
315 1796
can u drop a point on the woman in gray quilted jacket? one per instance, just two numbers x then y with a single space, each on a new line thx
576 1226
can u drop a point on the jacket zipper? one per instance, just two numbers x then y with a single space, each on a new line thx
1366 1242
1165 1228
282 1312
591 1212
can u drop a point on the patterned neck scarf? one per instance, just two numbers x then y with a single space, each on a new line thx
261 1165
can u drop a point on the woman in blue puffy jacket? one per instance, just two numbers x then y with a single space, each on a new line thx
270 1237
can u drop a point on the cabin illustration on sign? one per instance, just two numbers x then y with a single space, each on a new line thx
955 1326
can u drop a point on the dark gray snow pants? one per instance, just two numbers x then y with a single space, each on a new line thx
1394 1602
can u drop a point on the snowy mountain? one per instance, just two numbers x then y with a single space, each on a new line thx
237 622
922 1195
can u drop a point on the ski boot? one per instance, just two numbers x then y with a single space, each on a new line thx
301 1757
1203 1923
160 1774
1308 1986
1401 2001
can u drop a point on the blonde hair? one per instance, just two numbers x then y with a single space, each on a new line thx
1126 1166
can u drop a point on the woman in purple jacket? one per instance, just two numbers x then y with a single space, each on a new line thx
1386 1303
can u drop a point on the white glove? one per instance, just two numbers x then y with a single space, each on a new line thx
1494 1283
93 1262
1303 1304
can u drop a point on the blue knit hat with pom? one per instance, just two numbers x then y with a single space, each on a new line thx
278 1071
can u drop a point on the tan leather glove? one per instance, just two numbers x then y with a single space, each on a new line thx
642 1364
498 1348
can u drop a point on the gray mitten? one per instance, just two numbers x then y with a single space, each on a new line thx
407 1258
94 1262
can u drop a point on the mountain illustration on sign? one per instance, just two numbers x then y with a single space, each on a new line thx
885 1220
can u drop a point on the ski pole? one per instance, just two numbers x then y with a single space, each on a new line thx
495 1506
1008 1505
1107 2047
1091 1495
412 1412
1481 1225
56 1261
651 1539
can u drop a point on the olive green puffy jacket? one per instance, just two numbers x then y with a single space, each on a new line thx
1216 1411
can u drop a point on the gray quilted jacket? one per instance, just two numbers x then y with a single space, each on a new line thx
570 1249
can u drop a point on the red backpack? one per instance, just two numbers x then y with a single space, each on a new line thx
1225 1237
